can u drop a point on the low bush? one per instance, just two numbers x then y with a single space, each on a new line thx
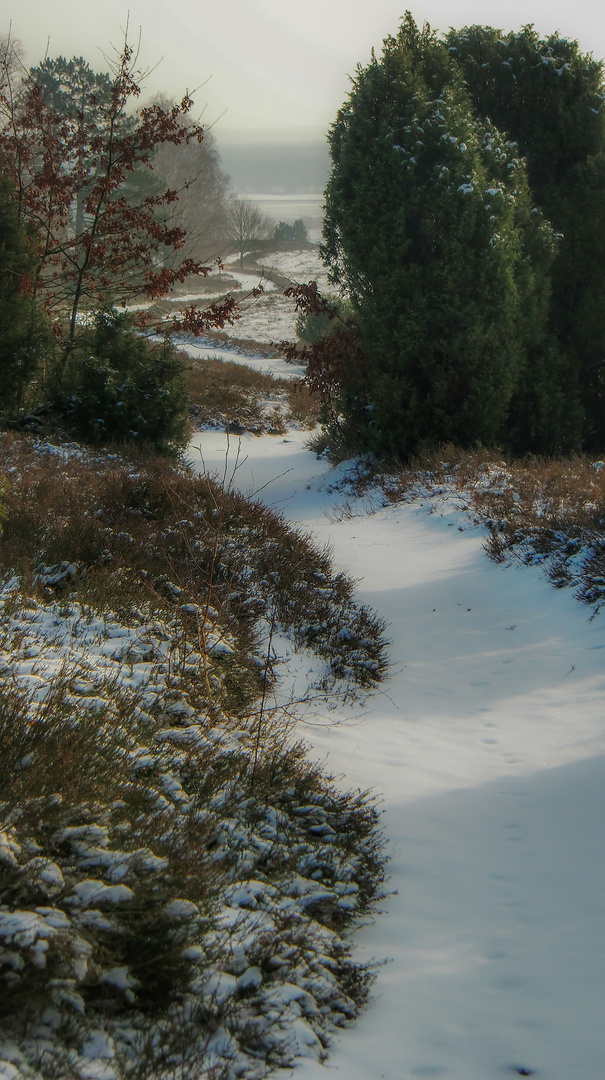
176 877
236 396
117 386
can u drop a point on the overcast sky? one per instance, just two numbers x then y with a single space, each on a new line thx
273 69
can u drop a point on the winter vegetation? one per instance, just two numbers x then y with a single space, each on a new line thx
463 227
229 395
177 878
180 876
105 205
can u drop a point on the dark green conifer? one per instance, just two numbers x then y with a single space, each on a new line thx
429 228
22 329
548 96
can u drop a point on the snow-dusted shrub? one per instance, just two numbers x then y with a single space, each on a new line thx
152 872
156 535
177 879
119 387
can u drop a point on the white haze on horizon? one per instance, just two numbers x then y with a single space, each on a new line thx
265 70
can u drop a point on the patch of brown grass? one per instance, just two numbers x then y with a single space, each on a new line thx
147 535
236 396
537 510
140 538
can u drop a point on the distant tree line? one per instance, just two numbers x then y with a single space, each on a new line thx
465 226
296 233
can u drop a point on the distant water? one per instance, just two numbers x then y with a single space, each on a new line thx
289 208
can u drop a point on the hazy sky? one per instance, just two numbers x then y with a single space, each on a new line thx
276 68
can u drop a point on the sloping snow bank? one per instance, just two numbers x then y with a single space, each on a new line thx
260 961
488 745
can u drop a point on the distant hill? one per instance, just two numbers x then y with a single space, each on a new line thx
273 169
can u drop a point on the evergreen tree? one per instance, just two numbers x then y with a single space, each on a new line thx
543 93
123 388
430 229
72 91
291 234
548 96
22 330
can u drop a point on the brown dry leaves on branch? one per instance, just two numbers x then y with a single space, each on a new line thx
93 242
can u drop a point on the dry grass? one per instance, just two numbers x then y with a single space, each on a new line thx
150 536
81 774
141 539
233 395
537 510
220 338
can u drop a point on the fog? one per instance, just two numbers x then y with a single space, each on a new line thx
265 64
274 169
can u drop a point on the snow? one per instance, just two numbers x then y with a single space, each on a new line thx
6 852
276 366
119 977
47 870
96 892
270 317
24 928
252 978
487 743
98 1045
182 909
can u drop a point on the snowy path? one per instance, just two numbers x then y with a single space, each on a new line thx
488 745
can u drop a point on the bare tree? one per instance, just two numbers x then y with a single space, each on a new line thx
126 247
12 58
12 74
246 226
193 171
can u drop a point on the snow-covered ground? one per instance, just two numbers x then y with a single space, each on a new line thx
299 266
270 365
487 743
271 317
